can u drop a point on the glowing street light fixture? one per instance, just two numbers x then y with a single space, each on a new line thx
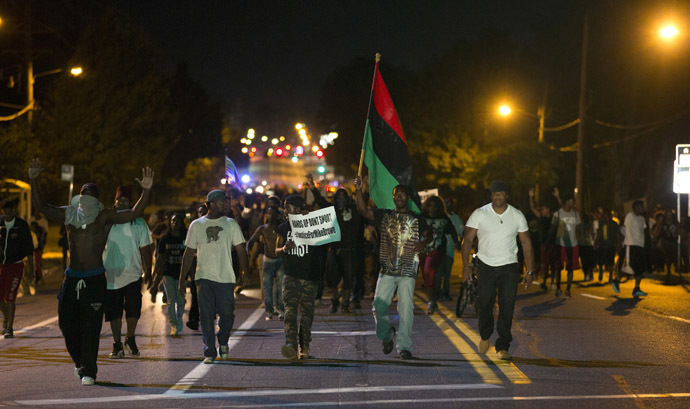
76 71
504 110
668 32
274 141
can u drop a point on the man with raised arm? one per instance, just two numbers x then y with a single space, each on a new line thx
404 234
81 296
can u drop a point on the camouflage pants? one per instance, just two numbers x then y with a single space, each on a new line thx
298 295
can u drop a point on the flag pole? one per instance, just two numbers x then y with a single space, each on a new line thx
371 96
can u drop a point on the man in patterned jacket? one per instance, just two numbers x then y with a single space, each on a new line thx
403 235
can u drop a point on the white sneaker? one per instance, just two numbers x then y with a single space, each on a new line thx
87 381
503 355
224 352
209 360
76 373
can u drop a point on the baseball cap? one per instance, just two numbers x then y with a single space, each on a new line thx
216 194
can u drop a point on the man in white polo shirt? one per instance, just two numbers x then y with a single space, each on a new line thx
497 225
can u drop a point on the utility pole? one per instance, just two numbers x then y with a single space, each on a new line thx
28 59
581 144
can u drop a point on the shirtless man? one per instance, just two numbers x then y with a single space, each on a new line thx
272 267
80 299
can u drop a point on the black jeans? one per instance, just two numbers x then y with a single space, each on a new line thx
501 281
80 316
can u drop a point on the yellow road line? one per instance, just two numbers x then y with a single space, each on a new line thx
508 368
478 364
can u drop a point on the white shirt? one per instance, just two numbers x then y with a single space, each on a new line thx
634 230
213 240
121 257
497 234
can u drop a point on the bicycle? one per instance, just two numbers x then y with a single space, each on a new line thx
469 291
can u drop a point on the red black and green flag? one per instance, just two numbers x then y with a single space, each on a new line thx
385 149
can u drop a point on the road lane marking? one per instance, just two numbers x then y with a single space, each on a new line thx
202 369
251 394
508 368
469 353
662 315
33 327
596 297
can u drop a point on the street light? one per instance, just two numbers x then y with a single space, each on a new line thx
668 32
504 110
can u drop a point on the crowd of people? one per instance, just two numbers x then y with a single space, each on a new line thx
217 247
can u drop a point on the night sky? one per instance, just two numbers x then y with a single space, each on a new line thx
278 53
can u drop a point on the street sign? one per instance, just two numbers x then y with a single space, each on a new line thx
67 173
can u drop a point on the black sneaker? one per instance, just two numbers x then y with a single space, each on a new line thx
9 333
304 352
193 325
388 345
131 344
405 354
118 351
346 309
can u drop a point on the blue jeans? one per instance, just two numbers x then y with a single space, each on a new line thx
385 287
273 270
215 298
175 302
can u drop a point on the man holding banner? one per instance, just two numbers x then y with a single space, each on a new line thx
404 235
298 241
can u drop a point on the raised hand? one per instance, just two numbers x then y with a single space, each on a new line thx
531 192
358 183
35 168
146 178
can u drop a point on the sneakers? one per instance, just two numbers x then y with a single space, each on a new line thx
238 289
543 285
484 345
224 352
9 333
429 308
193 325
346 309
118 351
173 331
209 360
87 381
268 316
636 293
567 294
131 344
76 373
281 315
288 351
558 293
616 286
405 354
388 345
503 354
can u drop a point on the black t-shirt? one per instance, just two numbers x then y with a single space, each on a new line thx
172 248
303 261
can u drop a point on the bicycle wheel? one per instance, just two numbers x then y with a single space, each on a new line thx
463 299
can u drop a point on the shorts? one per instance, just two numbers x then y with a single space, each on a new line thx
637 259
10 277
606 256
127 299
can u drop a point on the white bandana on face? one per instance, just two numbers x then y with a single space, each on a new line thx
82 211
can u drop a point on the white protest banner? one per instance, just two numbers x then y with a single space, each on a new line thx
315 228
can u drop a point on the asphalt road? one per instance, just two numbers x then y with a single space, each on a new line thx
597 349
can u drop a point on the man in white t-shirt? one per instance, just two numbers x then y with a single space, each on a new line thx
211 239
127 254
635 255
497 225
